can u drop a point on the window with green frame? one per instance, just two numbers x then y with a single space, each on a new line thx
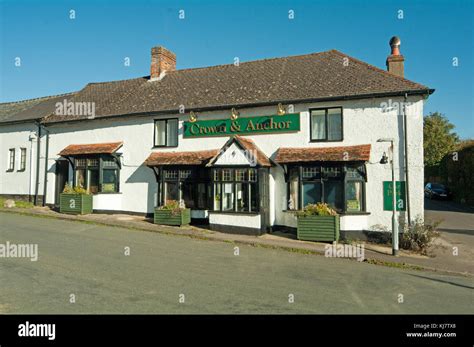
341 186
189 184
235 189
97 174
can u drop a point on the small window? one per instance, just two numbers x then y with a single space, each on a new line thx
166 133
326 124
11 159
22 159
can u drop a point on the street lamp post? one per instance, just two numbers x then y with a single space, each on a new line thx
394 199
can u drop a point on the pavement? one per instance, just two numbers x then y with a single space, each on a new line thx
457 230
168 274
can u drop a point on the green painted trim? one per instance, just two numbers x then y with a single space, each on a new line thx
245 125
75 203
318 228
167 217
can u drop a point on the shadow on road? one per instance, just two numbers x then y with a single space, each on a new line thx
469 232
442 281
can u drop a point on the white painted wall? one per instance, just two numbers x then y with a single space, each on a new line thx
239 220
364 122
20 135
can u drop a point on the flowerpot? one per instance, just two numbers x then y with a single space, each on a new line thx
75 203
318 228
172 217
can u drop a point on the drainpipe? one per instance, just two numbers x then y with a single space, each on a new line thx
38 150
407 184
45 185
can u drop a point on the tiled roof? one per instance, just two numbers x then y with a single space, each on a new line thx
31 109
94 148
180 158
304 78
342 153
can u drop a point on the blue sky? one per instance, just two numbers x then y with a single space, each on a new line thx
60 55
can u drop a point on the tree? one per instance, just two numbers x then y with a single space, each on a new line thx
438 138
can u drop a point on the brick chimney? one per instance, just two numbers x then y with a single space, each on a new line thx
162 61
395 60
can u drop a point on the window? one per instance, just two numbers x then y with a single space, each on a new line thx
22 159
326 124
98 174
235 190
340 186
11 159
188 184
166 133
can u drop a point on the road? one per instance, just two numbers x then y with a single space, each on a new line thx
88 261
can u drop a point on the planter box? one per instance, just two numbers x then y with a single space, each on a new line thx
167 217
75 203
318 228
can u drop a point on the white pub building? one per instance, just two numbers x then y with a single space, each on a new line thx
244 145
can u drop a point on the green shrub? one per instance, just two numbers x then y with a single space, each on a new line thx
174 206
418 236
319 209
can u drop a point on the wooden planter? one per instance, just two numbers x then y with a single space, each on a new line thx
169 217
75 203
318 228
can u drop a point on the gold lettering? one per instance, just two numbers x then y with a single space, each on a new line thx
250 126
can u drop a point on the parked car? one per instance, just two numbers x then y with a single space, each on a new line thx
437 191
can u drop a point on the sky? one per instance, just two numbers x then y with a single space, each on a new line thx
59 54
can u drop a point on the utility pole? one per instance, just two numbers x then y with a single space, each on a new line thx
394 199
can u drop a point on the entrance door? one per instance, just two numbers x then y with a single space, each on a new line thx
62 174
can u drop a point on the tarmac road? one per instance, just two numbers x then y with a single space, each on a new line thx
89 261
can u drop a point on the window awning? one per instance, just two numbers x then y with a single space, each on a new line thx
180 158
94 148
342 154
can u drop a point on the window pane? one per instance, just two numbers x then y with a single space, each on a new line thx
293 200
109 180
334 124
227 174
171 174
353 196
311 172
188 194
252 175
23 159
311 193
253 197
81 162
11 164
318 124
94 162
172 132
184 174
160 133
242 191
333 193
201 195
241 174
228 197
171 191
217 196
93 180
80 178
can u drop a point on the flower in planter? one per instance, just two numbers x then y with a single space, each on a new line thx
174 206
318 209
76 190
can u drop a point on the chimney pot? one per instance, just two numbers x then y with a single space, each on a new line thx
162 61
395 61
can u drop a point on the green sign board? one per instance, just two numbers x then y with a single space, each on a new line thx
388 196
244 125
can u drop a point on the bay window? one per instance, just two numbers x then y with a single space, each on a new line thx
326 124
96 174
235 189
341 186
